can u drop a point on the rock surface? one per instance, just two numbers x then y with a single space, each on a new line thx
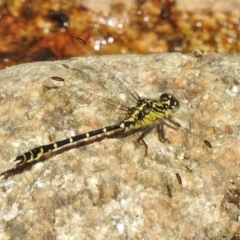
109 189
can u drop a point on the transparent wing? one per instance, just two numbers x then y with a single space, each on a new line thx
114 109
103 77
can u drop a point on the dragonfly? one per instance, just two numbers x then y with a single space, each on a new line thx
143 117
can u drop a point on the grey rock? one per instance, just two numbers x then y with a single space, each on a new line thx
109 189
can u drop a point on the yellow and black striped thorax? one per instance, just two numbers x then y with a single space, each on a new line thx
149 112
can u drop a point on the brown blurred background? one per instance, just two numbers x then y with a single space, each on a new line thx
33 30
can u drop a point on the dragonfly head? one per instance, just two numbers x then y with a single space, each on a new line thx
170 102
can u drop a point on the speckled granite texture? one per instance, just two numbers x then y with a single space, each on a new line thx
109 189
